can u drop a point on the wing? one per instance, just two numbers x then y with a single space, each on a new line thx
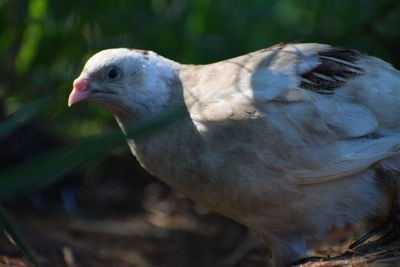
328 112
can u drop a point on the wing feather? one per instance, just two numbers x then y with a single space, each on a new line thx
330 86
354 156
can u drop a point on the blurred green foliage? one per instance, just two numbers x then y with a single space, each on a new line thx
44 44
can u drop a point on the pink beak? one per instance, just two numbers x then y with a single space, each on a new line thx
80 91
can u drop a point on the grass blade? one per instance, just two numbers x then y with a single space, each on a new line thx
51 166
13 121
17 238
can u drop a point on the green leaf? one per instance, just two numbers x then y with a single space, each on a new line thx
13 121
38 8
31 39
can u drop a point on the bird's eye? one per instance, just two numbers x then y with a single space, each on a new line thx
113 73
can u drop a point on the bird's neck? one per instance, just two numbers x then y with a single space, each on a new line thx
155 145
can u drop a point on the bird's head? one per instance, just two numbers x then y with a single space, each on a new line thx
125 81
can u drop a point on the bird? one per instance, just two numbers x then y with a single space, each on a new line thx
289 141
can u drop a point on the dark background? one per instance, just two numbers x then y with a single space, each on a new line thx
93 201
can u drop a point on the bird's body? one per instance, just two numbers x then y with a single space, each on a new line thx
287 140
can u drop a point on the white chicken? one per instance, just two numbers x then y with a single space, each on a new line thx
286 140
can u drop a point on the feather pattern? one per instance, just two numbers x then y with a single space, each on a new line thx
337 66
